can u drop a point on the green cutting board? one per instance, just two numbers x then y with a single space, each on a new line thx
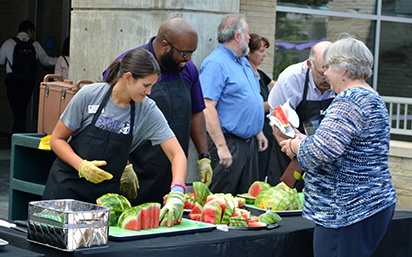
186 226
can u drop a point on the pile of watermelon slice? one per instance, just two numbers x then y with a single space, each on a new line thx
222 209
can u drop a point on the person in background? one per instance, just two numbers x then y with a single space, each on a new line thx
348 190
62 64
102 124
178 95
257 54
22 71
234 109
309 94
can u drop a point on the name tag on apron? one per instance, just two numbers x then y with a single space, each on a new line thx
92 108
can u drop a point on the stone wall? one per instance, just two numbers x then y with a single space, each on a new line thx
400 165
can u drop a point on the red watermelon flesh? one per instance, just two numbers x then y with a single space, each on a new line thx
241 201
257 187
131 219
221 202
211 213
195 216
196 210
150 215
281 116
211 197
189 203
256 224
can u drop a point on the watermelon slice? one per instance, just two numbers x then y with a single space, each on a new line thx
269 217
238 221
249 199
256 224
241 202
257 187
131 218
211 213
201 192
189 203
195 216
280 115
197 209
117 204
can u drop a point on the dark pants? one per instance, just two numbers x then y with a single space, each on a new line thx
242 173
264 157
357 240
19 92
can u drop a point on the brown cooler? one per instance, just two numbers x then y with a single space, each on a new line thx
53 98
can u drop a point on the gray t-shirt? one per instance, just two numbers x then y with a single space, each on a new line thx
149 124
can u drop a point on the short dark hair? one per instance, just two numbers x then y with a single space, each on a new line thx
255 42
26 25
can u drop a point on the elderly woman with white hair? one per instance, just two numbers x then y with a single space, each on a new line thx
348 190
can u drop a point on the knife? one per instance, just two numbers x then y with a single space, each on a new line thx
7 224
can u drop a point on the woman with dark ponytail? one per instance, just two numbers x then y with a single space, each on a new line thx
101 125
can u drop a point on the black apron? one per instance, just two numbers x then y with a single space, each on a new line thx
150 163
91 144
306 109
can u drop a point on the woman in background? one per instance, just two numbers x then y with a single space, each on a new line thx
257 54
62 64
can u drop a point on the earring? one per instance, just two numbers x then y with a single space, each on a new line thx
343 79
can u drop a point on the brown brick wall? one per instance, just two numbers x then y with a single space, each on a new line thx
261 18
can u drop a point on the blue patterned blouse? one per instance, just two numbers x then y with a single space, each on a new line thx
348 177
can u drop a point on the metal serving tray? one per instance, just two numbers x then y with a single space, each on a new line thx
68 224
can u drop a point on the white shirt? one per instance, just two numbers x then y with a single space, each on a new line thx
7 50
290 85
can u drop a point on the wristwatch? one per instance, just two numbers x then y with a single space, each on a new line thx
204 155
178 183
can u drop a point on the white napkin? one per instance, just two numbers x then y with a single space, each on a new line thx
292 117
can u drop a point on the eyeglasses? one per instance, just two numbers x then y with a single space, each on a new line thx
184 55
319 74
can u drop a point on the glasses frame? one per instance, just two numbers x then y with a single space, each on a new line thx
184 55
317 72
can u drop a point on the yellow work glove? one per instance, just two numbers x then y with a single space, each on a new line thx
129 182
90 171
172 212
205 170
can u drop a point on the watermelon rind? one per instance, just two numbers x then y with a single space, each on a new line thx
238 221
129 215
209 209
269 217
116 203
201 192
278 199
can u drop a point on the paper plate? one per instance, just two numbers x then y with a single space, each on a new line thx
293 117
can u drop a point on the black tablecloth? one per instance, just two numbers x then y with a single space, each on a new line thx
293 237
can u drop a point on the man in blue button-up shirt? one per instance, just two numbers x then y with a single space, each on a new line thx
234 109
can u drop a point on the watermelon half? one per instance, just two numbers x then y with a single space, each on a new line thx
117 204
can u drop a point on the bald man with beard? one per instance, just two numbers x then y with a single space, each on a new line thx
178 95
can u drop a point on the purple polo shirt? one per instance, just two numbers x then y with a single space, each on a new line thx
189 73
